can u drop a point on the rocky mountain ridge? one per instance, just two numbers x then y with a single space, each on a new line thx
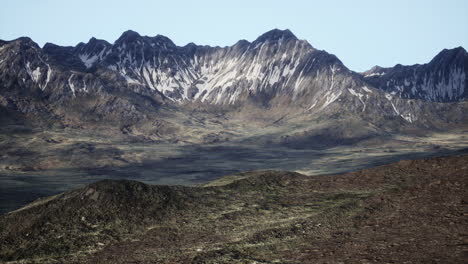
443 79
137 75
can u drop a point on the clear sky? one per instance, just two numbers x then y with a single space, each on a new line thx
362 33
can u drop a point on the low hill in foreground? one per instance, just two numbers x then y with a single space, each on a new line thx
406 212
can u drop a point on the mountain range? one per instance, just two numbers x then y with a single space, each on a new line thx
137 79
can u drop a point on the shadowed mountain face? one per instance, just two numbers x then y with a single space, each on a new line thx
132 79
410 211
443 79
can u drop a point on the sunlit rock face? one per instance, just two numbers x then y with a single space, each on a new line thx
277 63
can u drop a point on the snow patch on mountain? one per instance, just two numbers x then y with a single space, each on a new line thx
34 74
88 60
71 85
359 96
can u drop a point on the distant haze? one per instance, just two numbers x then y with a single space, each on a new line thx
361 32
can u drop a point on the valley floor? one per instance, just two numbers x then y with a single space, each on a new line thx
38 164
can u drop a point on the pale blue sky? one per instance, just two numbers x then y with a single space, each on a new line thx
361 33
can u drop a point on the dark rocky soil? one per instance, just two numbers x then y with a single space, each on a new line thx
406 212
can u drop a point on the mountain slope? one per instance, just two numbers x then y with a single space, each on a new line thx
410 211
443 79
132 81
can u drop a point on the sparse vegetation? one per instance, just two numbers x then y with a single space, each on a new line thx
43 163
411 211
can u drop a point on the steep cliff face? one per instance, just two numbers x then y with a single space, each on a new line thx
138 74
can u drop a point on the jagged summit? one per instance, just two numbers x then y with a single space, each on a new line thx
450 55
93 44
242 42
23 42
161 40
275 35
132 38
374 71
128 36
456 50
94 40
272 35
